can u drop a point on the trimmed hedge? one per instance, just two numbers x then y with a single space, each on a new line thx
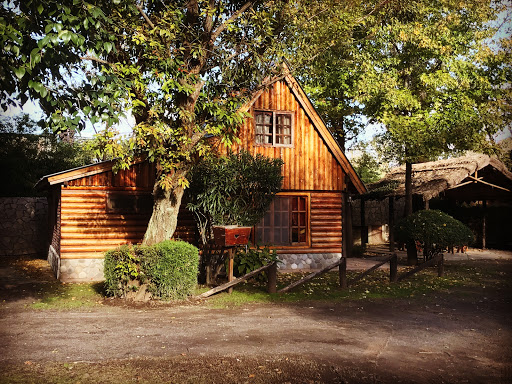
168 270
434 229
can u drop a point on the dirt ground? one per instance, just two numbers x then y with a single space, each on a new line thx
445 337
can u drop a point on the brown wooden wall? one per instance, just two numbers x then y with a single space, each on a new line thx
309 165
325 224
140 175
87 230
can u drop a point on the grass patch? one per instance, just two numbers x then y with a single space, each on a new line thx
372 287
69 296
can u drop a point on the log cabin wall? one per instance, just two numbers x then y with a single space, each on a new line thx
308 165
102 211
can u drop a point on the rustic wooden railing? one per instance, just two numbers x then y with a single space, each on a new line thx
271 284
342 264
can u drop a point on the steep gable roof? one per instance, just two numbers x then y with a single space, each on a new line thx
319 124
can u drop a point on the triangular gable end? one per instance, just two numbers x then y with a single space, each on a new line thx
318 123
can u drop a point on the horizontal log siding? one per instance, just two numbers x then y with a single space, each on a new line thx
325 225
140 175
88 230
308 165
326 222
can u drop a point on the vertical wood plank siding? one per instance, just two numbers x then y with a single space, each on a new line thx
88 229
309 165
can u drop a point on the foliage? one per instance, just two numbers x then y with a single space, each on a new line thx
235 190
251 258
434 229
368 168
26 156
182 68
169 269
434 78
172 274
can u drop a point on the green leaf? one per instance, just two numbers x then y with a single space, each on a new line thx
19 72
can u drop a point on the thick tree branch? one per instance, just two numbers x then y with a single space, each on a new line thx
145 16
233 17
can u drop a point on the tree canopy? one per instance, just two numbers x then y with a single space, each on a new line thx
181 68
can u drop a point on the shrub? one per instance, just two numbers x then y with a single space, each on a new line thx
247 260
172 274
236 189
168 270
434 229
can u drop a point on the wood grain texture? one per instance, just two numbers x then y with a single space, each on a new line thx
88 229
309 165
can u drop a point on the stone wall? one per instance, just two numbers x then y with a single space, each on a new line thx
23 226
301 262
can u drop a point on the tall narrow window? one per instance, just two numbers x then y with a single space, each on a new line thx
274 128
285 223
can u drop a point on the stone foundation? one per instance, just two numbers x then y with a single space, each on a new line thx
298 262
81 270
23 226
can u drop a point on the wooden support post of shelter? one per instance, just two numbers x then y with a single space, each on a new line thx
364 229
347 238
391 221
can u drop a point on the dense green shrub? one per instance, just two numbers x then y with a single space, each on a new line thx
172 274
247 260
235 189
168 270
435 230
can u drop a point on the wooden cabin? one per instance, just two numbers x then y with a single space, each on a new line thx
93 210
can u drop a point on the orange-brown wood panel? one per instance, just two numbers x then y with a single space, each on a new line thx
88 230
309 164
326 221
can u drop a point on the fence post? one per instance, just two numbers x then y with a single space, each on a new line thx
231 258
272 278
440 266
343 272
393 268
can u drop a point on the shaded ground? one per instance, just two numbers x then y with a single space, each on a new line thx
458 335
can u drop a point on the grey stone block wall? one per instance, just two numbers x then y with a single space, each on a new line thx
81 270
307 261
23 225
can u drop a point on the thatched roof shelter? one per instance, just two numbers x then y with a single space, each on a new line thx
471 177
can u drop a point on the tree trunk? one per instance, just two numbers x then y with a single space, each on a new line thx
164 218
412 254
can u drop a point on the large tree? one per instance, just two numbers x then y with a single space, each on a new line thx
435 80
181 68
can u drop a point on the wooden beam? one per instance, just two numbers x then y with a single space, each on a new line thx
422 266
311 276
479 180
370 270
233 282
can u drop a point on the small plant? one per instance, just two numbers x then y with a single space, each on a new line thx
435 230
233 190
247 260
168 270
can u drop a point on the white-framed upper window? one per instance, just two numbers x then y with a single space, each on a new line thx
274 128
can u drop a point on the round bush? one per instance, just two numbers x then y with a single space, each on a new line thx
167 269
435 229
